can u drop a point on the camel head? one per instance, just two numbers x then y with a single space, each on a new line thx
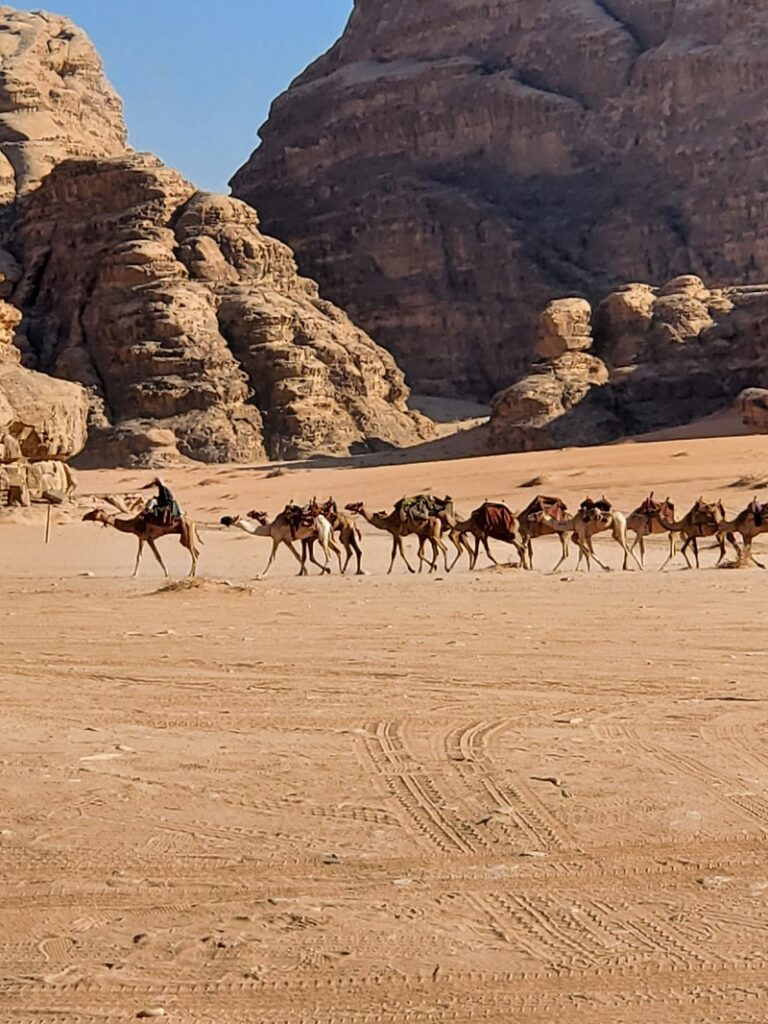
96 515
354 506
229 520
260 517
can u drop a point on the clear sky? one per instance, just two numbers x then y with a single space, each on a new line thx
197 76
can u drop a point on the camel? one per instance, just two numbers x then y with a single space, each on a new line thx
347 529
281 531
534 523
421 506
429 529
594 517
750 524
147 531
703 520
644 522
490 521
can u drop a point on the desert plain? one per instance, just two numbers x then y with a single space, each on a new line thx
485 796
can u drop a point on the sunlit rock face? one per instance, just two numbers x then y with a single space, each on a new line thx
450 166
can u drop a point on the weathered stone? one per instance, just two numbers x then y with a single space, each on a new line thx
450 166
55 102
178 314
676 354
752 403
565 325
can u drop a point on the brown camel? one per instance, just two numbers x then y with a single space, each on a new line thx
429 529
284 529
644 522
592 518
703 520
534 522
147 531
491 521
750 524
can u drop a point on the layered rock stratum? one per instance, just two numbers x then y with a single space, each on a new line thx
643 358
450 166
192 332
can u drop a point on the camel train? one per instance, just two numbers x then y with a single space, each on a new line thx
437 524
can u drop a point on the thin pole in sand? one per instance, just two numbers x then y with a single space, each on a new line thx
48 524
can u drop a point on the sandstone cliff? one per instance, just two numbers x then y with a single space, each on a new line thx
645 358
192 331
450 166
187 324
55 102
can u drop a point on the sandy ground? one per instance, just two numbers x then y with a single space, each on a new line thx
495 796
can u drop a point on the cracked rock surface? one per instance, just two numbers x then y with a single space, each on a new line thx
449 166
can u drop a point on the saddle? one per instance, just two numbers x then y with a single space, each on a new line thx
602 505
543 505
421 507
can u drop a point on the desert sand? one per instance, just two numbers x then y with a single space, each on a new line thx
491 796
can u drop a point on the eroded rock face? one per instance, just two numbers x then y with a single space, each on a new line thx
450 166
753 406
40 418
661 357
179 316
55 101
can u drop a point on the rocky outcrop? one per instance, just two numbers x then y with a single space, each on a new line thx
55 101
753 406
40 418
449 166
191 330
660 357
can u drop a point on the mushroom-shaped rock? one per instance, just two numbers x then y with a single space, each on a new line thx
565 325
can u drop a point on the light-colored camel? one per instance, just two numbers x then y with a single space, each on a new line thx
534 523
427 530
280 531
147 531
591 519
703 520
345 526
750 524
644 522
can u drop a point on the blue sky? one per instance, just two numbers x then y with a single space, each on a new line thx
197 76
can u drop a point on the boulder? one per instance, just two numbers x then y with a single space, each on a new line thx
565 325
47 418
752 403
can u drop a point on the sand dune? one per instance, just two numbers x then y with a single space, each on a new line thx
496 796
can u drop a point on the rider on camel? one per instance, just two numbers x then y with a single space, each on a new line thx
163 508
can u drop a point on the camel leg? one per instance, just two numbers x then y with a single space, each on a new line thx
619 531
603 566
489 553
156 553
323 568
337 551
749 556
564 552
672 552
641 541
401 549
138 557
442 547
193 554
358 554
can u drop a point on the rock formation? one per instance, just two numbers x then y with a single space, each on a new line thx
657 357
42 422
753 406
55 102
192 332
189 326
450 166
